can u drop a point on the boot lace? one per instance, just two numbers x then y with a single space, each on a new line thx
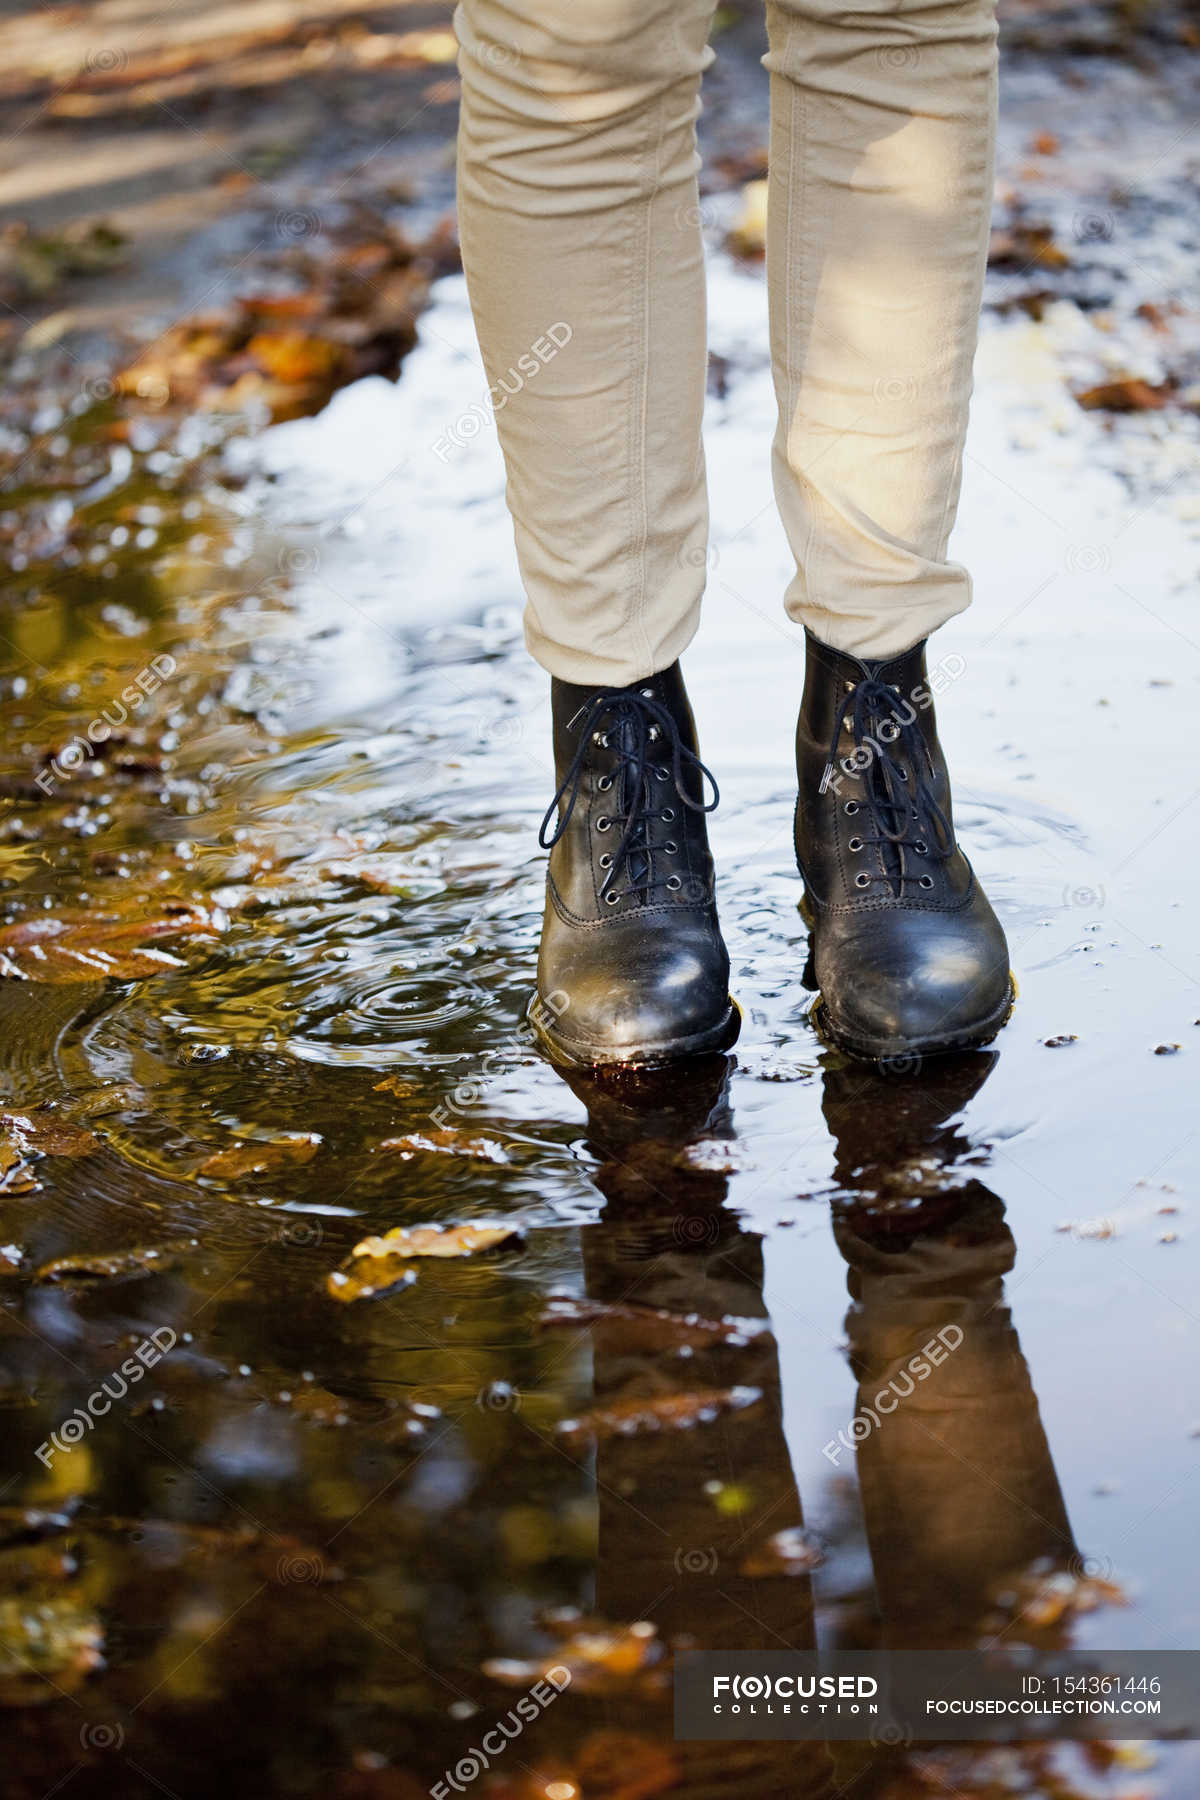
897 791
645 737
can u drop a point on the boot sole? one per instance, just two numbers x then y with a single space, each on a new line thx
972 1037
584 1056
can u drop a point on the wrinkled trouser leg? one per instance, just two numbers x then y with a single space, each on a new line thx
882 134
579 216
578 208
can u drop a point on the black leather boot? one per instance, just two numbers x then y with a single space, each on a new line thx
907 953
632 968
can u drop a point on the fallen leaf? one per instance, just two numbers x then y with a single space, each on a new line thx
600 1660
1129 394
1022 246
141 1259
650 1327
397 1085
790 1552
378 1265
49 1133
748 234
262 1159
670 1412
448 1142
105 942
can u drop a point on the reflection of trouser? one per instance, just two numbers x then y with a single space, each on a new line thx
959 1492
581 239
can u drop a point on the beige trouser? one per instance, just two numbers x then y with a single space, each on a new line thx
581 238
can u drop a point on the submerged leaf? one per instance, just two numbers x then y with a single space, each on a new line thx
793 1551
262 1159
102 943
600 1659
449 1143
669 1412
142 1259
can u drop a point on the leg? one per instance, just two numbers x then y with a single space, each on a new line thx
578 210
882 127
580 230
881 171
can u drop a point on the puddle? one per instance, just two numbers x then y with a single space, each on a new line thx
318 1548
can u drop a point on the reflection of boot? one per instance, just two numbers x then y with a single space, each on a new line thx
685 1514
906 950
901 1158
958 1488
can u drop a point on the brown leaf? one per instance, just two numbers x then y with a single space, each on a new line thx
379 1264
104 942
49 1133
650 1327
1024 246
397 1085
141 1259
261 1159
599 1660
669 1412
449 1142
1129 394
789 1552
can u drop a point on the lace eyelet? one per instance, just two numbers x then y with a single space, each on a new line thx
606 861
667 814
671 847
601 738
611 899
603 823
662 774
674 883
862 881
850 808
921 847
603 783
855 843
927 881
903 774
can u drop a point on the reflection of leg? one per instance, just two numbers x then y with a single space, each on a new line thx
958 1487
681 1513
581 241
881 179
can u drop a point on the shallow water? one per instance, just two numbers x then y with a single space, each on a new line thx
317 1543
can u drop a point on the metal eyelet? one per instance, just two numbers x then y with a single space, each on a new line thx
611 899
671 848
903 774
851 807
601 738
855 843
862 881
603 823
647 693
673 882
662 774
927 881
603 783
921 847
654 734
606 861
667 814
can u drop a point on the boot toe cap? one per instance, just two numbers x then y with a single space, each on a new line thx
912 991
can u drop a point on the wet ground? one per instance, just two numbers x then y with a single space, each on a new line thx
267 939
